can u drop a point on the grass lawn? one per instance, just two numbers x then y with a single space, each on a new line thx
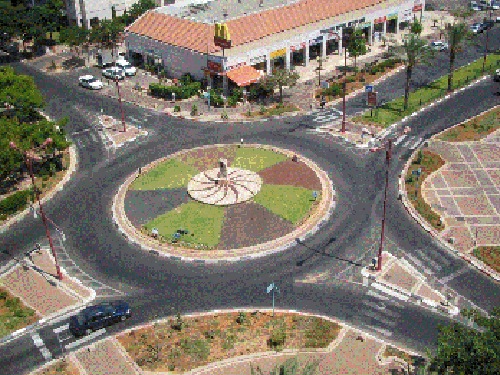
272 111
474 129
392 111
489 255
290 202
256 159
203 221
170 174
13 314
428 162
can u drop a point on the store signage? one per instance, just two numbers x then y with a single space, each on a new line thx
364 25
315 41
278 53
380 19
214 67
392 16
417 6
406 15
222 38
257 60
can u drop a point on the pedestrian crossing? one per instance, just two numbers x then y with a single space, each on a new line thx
411 142
326 115
67 341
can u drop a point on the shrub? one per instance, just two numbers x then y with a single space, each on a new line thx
186 79
278 336
179 323
216 98
14 202
335 89
194 110
242 317
224 115
262 110
177 108
232 101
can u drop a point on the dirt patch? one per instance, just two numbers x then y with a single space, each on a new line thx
291 173
13 314
62 367
208 158
489 255
213 338
249 224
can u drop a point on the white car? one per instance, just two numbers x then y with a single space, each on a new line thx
495 5
439 45
496 76
113 73
90 82
126 67
477 28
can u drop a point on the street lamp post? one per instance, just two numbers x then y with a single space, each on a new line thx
28 158
486 43
120 101
320 68
344 84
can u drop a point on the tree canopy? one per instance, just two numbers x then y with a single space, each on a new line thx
356 45
281 78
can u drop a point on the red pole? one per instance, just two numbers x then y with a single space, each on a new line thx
344 84
121 106
29 161
382 234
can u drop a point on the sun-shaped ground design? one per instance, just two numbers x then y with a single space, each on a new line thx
256 195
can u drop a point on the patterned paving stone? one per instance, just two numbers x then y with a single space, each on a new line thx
467 153
482 220
483 177
475 205
456 167
451 207
495 176
486 152
495 201
466 191
447 151
443 192
488 235
463 238
438 181
460 179
143 206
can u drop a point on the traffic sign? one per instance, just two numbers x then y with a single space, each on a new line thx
369 88
372 98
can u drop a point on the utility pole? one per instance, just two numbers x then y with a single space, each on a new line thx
486 44
28 158
344 85
120 102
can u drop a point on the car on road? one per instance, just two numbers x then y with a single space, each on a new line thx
113 73
496 76
495 5
90 82
475 6
477 28
126 67
98 316
488 24
439 45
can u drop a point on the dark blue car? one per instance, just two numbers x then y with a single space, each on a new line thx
98 316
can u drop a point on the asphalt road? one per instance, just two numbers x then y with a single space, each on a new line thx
154 285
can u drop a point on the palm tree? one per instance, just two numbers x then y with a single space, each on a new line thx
413 51
458 34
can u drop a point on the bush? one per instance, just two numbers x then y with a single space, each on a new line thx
194 110
335 89
181 92
177 108
242 317
277 339
232 101
14 202
186 79
216 98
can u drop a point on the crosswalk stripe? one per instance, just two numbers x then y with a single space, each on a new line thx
46 353
378 317
399 140
426 258
85 339
61 328
381 330
377 295
416 144
418 263
37 339
408 141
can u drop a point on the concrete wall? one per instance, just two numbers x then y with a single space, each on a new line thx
88 9
176 60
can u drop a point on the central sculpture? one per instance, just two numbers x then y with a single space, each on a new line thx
224 185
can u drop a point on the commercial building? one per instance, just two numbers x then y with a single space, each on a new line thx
263 34
89 12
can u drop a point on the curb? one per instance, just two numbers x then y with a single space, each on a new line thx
326 210
73 165
420 220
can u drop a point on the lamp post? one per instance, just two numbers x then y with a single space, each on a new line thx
120 101
319 68
28 158
344 84
486 43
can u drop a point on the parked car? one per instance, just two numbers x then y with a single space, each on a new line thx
126 67
495 5
496 76
113 73
90 82
475 6
439 45
477 28
98 316
488 24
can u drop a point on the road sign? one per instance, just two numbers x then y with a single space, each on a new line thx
325 84
369 88
270 288
372 98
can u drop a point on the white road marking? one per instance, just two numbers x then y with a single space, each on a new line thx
376 295
399 140
86 338
390 292
418 263
433 263
373 304
378 317
448 278
381 330
37 339
408 141
93 137
61 328
46 353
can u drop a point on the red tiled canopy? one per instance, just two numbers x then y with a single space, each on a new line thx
244 75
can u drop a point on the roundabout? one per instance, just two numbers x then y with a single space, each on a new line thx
224 202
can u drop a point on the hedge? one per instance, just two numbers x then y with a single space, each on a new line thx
14 202
181 92
335 89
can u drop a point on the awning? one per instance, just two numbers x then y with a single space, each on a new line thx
243 75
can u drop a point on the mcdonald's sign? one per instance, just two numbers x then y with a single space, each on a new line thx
222 37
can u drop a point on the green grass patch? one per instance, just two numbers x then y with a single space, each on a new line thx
13 314
276 110
428 162
490 255
170 174
474 129
392 111
203 221
289 202
320 333
256 159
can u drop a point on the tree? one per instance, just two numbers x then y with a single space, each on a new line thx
463 350
74 36
416 27
458 34
413 51
107 33
49 16
289 367
356 45
281 78
138 9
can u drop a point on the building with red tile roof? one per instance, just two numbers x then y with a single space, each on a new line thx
263 33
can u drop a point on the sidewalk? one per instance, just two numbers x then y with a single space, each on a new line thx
34 281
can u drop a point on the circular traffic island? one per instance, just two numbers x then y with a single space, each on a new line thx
224 202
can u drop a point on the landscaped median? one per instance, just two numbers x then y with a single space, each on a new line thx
392 112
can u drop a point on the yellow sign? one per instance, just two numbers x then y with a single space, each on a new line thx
278 53
222 31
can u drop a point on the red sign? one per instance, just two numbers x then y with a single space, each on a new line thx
223 43
417 8
214 66
372 98
380 19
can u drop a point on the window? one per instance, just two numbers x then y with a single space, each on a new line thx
94 21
